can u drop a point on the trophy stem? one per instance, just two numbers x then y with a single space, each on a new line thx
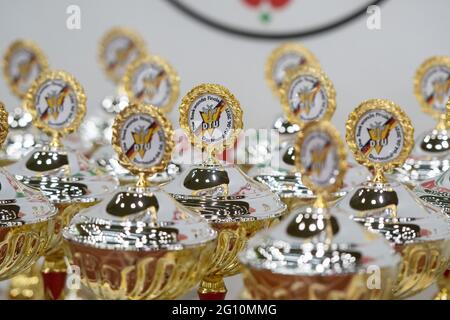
27 285
212 289
444 285
54 273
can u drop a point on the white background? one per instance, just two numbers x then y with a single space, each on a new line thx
362 64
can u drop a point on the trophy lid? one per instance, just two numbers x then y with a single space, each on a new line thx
212 119
318 239
19 204
152 80
436 192
118 48
140 218
57 103
284 58
380 135
431 154
22 64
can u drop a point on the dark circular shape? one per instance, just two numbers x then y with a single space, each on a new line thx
272 36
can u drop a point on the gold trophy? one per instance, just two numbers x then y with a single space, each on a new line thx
380 136
431 154
307 95
148 80
284 58
23 62
317 252
139 243
118 48
57 103
234 204
27 220
436 193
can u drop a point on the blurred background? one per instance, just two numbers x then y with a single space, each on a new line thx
362 63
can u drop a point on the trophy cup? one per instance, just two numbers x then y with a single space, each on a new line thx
234 204
307 95
316 252
139 243
22 64
27 220
57 103
436 193
148 80
380 136
431 154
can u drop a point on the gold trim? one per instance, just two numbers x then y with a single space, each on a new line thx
404 122
420 73
325 82
4 127
166 126
26 45
173 77
277 53
333 133
111 35
78 90
232 102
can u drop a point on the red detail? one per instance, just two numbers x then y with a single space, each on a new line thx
212 296
428 184
424 232
447 273
54 283
276 4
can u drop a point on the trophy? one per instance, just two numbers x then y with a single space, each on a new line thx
139 243
436 193
431 154
234 204
22 64
316 252
380 136
147 80
282 60
27 220
57 103
307 95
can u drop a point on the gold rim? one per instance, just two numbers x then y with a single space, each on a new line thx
14 47
231 102
75 86
332 132
403 120
173 77
279 52
420 73
109 36
166 126
4 127
325 83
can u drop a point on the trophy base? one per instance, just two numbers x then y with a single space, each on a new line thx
27 285
212 289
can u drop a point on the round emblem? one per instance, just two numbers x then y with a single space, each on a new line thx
321 157
284 58
57 102
143 139
152 80
119 47
23 62
379 133
308 95
211 116
432 85
4 127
